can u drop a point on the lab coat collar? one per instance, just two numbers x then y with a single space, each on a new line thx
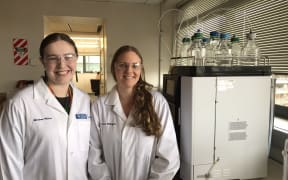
113 100
41 91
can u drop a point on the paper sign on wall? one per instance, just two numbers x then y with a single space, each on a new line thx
20 50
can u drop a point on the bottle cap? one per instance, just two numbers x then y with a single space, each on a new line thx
198 34
224 36
185 39
193 37
205 40
214 33
251 36
234 38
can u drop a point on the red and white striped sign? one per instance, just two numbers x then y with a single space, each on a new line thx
20 50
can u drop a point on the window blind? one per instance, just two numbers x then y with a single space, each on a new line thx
267 18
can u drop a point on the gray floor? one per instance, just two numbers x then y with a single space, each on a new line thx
275 170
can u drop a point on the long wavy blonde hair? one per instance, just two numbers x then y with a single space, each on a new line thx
145 116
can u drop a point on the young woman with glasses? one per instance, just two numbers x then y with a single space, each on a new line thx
132 133
45 128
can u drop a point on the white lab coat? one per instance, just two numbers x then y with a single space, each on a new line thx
129 154
40 141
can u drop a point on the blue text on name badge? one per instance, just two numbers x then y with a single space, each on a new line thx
81 116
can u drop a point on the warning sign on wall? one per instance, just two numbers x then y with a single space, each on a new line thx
20 50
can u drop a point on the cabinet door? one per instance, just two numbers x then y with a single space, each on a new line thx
242 126
197 123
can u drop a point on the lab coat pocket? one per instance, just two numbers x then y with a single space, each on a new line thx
144 151
145 144
84 134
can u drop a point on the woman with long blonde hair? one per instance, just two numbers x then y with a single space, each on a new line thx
132 132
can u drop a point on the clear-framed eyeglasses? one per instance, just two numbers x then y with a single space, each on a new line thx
69 57
124 66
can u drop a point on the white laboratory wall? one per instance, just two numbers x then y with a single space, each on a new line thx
134 24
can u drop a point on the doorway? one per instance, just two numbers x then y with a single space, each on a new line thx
89 36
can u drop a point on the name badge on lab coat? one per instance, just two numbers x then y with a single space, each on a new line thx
81 116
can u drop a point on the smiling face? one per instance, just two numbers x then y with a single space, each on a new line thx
59 61
127 69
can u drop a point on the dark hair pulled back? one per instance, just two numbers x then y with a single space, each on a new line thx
53 37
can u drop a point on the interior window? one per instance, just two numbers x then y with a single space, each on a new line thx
281 90
88 64
281 100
